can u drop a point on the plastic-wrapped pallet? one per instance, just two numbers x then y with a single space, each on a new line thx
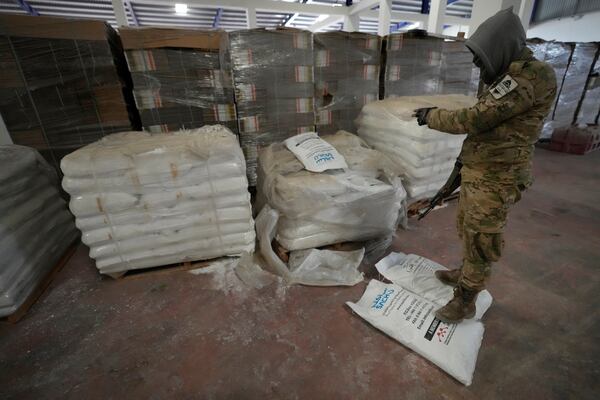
273 81
181 77
35 226
426 156
346 77
64 83
145 200
590 105
316 209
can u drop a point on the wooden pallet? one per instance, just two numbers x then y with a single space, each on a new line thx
162 270
42 285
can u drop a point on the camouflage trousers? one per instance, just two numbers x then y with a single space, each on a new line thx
482 210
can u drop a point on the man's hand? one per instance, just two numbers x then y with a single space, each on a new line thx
421 114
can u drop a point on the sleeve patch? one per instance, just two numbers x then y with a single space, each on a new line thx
506 85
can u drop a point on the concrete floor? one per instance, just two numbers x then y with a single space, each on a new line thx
180 335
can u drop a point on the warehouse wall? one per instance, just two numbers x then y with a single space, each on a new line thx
575 29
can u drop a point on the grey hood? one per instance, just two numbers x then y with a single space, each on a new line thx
497 42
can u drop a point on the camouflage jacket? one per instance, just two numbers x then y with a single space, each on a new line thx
505 123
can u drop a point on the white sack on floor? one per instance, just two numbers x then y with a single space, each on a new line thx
145 200
410 319
359 203
35 226
425 156
416 274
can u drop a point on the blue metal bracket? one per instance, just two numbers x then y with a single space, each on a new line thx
133 16
396 27
217 19
27 7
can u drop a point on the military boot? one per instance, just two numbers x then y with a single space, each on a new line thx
449 277
462 306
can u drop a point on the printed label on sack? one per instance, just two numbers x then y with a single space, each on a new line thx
506 85
393 73
370 72
246 92
224 112
302 40
146 99
322 58
249 124
396 42
140 60
324 117
245 57
304 105
314 153
303 73
371 43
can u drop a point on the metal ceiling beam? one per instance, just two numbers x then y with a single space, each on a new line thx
364 5
27 7
332 19
280 6
217 19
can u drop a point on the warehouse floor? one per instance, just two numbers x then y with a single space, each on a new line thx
179 335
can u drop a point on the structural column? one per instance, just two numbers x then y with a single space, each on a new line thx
120 14
437 11
385 17
351 23
525 11
251 14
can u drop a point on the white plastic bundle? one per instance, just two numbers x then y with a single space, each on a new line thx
425 156
35 226
316 209
146 200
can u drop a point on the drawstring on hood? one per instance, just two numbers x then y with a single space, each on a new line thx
497 42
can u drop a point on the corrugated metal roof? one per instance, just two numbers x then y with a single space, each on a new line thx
203 17
550 9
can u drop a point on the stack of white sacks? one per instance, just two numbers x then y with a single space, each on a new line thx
35 226
146 200
317 209
425 156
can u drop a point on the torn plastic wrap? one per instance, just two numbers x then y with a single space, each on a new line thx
425 157
274 87
181 78
346 77
590 105
35 226
360 203
311 267
145 200
574 84
64 83
419 64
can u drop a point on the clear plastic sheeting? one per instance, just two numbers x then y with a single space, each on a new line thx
35 226
181 78
422 64
356 204
145 200
273 81
574 84
590 105
425 157
346 77
64 83
311 267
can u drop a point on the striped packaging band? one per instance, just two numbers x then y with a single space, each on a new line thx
303 73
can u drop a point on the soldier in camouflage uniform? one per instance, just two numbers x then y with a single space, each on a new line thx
497 153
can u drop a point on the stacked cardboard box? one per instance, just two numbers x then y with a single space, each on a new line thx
273 82
418 63
346 77
181 78
64 83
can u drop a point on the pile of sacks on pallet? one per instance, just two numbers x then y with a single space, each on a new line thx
146 200
303 210
35 226
425 156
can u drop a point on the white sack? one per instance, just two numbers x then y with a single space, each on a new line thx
410 319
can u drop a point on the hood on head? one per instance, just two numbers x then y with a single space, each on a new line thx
497 42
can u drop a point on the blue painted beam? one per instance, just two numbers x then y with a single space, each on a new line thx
133 16
424 6
399 25
217 19
27 7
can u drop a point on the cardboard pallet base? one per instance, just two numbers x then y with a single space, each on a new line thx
42 285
